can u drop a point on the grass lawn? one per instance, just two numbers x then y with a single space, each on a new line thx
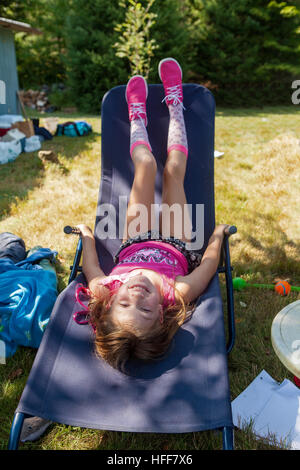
257 188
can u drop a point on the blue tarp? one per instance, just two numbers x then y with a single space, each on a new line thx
27 295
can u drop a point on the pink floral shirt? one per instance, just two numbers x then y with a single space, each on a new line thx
158 256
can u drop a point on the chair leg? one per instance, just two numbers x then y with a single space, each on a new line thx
15 431
226 268
228 438
77 257
230 299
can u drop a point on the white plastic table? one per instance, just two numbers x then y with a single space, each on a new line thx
285 336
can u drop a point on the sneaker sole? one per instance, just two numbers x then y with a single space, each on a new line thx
164 60
146 85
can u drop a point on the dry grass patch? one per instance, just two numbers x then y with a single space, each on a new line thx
263 200
279 181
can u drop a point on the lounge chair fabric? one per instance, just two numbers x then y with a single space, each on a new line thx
188 390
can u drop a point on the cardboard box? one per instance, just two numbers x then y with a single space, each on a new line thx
24 126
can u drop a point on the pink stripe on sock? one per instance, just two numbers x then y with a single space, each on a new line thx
140 142
181 148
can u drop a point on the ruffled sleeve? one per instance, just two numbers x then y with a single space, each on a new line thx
114 281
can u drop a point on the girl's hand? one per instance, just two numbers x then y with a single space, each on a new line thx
84 229
220 229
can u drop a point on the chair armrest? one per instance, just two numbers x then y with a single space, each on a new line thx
225 267
75 267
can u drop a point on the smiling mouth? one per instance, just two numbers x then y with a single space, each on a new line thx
139 287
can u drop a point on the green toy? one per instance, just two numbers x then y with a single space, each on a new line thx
240 284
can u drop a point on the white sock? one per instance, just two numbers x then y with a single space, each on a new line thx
138 134
177 138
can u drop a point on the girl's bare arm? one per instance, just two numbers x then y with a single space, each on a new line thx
90 264
192 285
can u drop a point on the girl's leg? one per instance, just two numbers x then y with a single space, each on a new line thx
138 216
142 192
175 220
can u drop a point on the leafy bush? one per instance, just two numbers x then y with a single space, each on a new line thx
171 35
150 31
135 43
40 57
92 65
61 97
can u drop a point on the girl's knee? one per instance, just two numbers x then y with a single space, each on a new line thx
144 159
175 169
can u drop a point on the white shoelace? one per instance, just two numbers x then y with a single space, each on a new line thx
174 93
137 109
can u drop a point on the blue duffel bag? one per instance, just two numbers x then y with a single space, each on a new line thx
73 129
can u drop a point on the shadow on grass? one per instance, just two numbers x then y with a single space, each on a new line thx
17 179
28 170
277 258
13 377
71 147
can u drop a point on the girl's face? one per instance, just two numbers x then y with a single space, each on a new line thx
137 304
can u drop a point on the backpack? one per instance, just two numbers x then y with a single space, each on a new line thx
73 128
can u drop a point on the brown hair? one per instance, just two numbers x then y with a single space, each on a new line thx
116 344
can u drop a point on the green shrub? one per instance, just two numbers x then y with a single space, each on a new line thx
171 35
61 98
40 57
134 42
150 31
92 65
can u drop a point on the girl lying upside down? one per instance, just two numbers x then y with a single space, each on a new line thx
139 306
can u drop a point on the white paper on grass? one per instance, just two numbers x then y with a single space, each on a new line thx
272 408
281 416
248 405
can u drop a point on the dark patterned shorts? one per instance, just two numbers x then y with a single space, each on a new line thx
193 257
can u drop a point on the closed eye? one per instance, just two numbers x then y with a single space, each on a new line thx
143 309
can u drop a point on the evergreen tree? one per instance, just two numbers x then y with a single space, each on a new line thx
40 57
171 35
18 10
247 49
92 65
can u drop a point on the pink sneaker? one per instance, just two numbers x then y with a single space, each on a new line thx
136 96
170 74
